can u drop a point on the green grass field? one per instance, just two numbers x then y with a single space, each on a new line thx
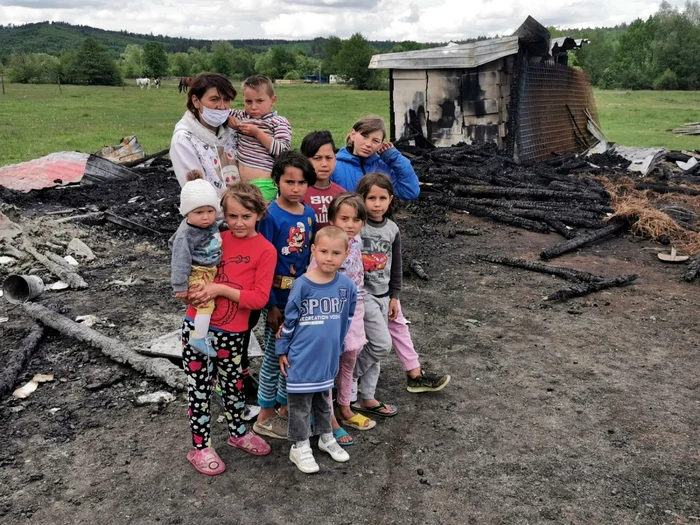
642 118
36 119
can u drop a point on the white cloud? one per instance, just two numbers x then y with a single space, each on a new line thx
421 20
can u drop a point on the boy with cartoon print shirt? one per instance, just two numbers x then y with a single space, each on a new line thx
292 236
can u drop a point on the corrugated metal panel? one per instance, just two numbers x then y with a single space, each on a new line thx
452 56
61 168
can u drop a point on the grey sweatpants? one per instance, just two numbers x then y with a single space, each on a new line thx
301 406
378 343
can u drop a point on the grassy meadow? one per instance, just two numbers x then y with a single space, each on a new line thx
36 119
642 118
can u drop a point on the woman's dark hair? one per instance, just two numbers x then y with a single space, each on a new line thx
313 142
351 199
293 159
376 179
209 80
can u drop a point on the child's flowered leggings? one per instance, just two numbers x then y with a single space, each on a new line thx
202 371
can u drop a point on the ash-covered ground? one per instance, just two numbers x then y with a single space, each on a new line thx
583 411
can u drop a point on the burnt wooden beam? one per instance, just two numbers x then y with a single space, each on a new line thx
566 273
541 193
573 244
579 290
663 188
693 269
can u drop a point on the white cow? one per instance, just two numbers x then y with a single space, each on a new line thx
143 82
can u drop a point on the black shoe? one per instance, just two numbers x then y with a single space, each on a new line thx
426 383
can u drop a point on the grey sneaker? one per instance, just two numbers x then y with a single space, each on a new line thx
275 427
426 382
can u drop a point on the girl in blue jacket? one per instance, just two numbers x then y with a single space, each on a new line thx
366 152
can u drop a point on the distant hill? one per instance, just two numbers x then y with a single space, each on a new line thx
53 37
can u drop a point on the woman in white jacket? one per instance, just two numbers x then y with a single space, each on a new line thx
202 140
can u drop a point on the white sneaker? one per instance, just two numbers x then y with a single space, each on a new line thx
335 450
303 458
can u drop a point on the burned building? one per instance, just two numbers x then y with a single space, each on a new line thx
517 91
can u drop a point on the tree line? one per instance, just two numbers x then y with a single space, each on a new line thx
662 52
92 63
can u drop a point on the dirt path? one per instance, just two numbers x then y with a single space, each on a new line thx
586 411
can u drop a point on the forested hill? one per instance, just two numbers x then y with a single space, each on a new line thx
54 37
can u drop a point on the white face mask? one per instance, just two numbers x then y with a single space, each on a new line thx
214 117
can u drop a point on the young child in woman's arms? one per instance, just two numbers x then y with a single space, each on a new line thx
196 250
316 320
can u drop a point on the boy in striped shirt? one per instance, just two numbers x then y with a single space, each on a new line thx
262 134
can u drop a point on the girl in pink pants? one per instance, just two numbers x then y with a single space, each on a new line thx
347 212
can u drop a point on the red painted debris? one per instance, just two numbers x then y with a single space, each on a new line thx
56 169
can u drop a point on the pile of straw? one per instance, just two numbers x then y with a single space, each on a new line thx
641 209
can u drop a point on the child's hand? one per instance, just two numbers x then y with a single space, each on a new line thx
278 335
182 296
233 122
200 294
249 129
284 364
393 309
385 146
274 318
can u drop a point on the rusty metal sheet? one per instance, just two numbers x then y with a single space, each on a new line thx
55 169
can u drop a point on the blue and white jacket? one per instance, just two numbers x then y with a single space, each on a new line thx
349 169
316 321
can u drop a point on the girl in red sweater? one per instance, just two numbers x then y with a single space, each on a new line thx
242 284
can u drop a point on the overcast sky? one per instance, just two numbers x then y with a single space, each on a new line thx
421 20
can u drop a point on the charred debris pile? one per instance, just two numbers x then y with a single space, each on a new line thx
582 199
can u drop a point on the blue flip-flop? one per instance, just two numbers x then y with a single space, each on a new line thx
341 432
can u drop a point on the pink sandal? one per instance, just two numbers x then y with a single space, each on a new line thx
206 461
251 443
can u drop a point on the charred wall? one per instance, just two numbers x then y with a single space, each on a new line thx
447 106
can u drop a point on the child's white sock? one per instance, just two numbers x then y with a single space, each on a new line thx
353 390
326 438
306 443
201 325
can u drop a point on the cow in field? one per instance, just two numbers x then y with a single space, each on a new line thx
143 82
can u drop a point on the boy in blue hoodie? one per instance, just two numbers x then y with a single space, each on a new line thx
316 320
